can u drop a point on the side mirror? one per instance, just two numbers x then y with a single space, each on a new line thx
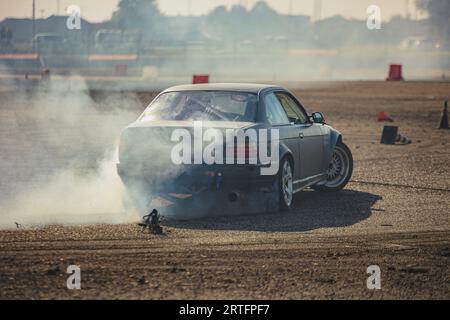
318 117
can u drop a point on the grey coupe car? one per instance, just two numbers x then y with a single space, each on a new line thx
161 153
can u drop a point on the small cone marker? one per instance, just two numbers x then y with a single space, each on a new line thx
444 119
383 116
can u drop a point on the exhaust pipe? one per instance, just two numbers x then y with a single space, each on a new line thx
233 196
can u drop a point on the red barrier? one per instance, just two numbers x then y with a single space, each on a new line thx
198 79
395 73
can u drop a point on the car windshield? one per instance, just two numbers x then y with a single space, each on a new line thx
202 106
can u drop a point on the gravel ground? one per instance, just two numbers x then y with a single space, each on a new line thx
394 214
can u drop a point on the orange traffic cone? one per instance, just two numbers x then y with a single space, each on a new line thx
383 116
444 119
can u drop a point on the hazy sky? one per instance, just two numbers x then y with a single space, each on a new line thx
98 10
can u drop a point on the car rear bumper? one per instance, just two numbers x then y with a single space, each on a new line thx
195 178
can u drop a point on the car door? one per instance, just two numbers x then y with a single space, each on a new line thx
278 119
310 137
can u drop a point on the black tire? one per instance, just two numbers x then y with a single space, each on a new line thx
338 177
283 184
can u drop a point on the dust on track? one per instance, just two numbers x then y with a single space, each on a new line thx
397 219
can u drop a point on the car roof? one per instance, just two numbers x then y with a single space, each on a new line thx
241 87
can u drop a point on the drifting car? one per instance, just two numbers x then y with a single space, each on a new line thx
309 153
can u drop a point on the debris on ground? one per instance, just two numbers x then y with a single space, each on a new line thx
402 139
152 222
54 270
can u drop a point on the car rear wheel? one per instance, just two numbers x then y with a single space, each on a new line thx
285 185
339 171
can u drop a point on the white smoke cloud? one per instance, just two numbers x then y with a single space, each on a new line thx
57 164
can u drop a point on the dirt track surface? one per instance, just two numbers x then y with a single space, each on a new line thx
396 214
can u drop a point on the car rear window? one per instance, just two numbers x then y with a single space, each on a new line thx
203 106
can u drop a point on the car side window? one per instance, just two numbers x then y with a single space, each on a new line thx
293 110
274 110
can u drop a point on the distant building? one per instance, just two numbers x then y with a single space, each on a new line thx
23 28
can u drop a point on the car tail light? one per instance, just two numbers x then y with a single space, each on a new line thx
210 173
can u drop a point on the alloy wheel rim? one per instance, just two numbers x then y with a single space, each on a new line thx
338 169
287 184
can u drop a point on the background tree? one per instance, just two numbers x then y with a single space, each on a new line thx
238 23
139 15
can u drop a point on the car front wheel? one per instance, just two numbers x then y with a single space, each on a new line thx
339 171
285 185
